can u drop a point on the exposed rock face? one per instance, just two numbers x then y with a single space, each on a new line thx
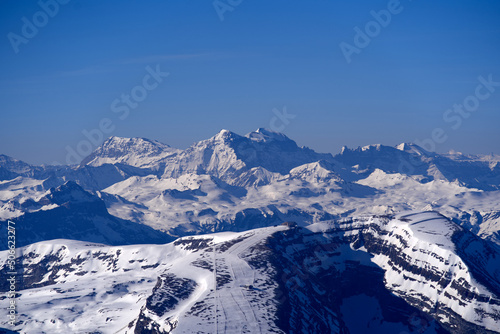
408 273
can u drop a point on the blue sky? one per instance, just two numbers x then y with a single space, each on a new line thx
232 73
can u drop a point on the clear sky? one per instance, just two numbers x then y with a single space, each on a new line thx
65 72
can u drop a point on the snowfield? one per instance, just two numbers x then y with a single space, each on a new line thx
230 283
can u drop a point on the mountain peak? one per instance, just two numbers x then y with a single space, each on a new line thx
138 152
320 170
367 149
413 149
265 135
122 141
13 164
403 146
376 147
70 192
225 134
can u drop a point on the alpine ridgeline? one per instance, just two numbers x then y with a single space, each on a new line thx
254 234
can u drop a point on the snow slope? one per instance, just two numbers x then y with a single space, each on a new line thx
275 279
137 152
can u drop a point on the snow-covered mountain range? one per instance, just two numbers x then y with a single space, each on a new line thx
368 235
232 183
417 273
